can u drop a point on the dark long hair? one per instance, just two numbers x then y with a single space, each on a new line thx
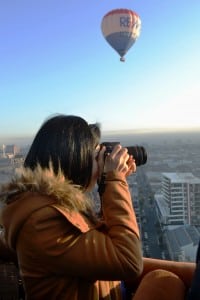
66 142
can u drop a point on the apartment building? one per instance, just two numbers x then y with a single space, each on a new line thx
181 192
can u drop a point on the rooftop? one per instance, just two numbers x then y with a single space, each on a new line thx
182 177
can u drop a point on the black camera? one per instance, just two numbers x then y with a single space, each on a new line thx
139 153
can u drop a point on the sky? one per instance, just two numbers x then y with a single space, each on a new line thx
55 59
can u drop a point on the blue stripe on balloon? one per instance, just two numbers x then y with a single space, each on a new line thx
120 41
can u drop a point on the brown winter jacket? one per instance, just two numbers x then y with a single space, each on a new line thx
63 251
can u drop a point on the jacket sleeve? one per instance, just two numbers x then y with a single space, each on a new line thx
110 254
116 188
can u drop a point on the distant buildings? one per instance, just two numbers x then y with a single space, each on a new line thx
11 158
182 242
180 196
9 151
178 210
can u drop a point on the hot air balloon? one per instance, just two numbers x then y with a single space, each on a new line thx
121 28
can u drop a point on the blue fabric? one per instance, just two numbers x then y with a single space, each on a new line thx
126 293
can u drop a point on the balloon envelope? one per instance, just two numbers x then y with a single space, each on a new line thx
121 28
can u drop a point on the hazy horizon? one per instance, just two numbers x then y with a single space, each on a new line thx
138 135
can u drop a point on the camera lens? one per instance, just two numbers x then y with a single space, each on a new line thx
139 154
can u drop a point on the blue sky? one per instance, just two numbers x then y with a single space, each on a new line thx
54 59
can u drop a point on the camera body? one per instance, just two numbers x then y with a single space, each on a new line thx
139 153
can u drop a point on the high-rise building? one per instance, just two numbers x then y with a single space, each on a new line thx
11 150
181 191
3 150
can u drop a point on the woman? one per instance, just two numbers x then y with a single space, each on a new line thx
63 250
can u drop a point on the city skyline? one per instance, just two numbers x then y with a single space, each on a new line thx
54 59
126 137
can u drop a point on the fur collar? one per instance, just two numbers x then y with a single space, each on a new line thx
44 182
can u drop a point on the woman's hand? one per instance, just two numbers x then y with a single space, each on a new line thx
119 160
131 165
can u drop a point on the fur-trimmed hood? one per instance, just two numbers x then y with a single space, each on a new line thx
45 183
33 190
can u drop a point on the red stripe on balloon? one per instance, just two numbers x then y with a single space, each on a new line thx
121 11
